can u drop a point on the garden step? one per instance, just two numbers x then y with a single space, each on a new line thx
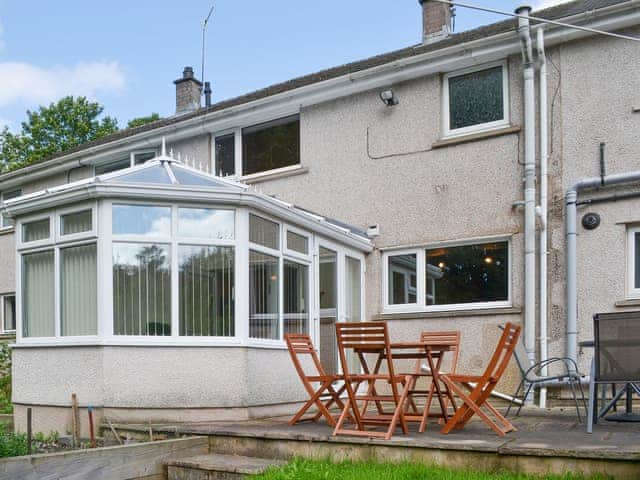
215 466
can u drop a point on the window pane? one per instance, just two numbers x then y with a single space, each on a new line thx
271 145
78 290
76 222
296 298
264 232
468 274
112 166
476 98
141 220
140 158
226 155
263 296
38 295
38 230
637 258
206 291
206 223
5 221
353 287
9 312
328 281
297 243
401 277
141 289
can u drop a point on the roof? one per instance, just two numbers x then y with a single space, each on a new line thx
560 11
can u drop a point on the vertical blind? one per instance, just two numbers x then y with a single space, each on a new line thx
264 232
296 301
141 289
9 312
263 296
78 290
76 222
206 291
38 294
37 230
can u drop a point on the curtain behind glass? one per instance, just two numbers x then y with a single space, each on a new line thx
78 290
141 289
263 296
38 295
206 291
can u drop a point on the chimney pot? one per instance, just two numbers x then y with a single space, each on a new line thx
436 21
207 94
188 92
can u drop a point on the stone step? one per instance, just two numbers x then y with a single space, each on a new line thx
215 466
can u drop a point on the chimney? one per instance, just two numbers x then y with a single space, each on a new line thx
188 92
436 21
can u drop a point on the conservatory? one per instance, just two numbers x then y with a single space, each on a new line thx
161 292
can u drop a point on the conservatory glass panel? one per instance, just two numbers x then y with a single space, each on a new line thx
264 232
263 296
153 174
37 230
76 222
206 223
38 303
206 291
142 220
141 289
297 243
296 298
78 290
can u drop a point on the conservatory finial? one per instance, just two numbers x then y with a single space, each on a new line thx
163 153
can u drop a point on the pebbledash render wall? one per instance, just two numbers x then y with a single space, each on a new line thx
435 194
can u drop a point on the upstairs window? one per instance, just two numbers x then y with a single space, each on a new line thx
271 145
225 155
5 221
475 99
137 157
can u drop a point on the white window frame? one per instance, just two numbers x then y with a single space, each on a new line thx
4 227
50 240
421 305
132 155
3 299
93 232
132 160
481 127
631 291
294 253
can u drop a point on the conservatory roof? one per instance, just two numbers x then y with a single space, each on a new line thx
167 179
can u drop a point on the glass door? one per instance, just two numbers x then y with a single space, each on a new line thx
328 292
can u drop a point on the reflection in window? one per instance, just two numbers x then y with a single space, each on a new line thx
33 231
271 145
206 289
141 220
264 232
467 274
141 289
112 166
296 297
476 98
297 243
402 279
78 290
9 313
37 294
143 157
225 155
263 296
76 222
206 223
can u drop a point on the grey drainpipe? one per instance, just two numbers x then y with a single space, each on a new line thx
571 227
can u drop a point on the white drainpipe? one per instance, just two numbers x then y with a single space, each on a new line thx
524 31
572 252
544 157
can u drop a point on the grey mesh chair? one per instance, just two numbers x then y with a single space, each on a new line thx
531 377
616 358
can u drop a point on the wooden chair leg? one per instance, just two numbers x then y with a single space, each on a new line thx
472 408
315 400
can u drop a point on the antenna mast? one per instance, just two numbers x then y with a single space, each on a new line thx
204 31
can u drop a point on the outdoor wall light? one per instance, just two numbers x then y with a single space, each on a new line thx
388 98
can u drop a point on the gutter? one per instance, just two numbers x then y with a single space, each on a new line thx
450 58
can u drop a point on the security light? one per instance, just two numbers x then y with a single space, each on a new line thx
388 98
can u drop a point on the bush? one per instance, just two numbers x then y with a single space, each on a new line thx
12 444
5 379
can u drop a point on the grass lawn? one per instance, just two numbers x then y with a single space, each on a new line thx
325 470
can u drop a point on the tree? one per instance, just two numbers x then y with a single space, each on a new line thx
62 125
139 121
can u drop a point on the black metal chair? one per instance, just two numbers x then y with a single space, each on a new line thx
616 360
531 377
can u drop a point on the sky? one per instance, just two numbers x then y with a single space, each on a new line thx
125 54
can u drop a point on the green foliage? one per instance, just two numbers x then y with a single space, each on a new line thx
326 470
53 129
139 121
12 444
5 379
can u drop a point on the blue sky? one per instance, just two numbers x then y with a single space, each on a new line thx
126 53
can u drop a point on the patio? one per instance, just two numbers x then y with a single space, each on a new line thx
547 441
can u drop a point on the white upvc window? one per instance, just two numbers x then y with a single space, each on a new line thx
8 312
633 262
475 99
257 149
57 274
136 157
5 221
463 275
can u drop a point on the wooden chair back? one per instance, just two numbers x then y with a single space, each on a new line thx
300 344
451 338
363 338
502 355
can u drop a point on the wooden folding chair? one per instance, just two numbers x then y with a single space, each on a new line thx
474 399
370 338
450 339
325 395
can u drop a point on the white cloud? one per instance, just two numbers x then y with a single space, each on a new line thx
27 83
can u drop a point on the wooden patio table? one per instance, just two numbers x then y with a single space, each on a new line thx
432 353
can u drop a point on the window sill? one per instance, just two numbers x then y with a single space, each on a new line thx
274 174
629 302
473 137
470 312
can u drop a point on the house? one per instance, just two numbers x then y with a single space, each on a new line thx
402 187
